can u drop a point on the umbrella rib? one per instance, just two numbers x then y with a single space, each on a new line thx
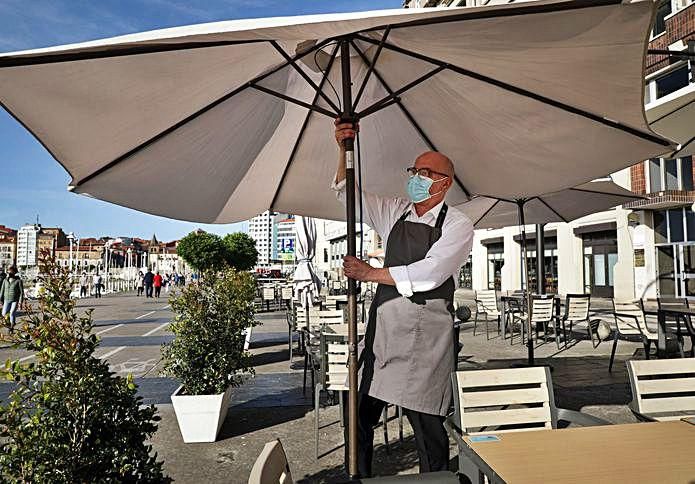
621 195
406 113
303 129
303 73
370 68
285 97
522 92
123 52
381 104
552 209
486 212
672 112
189 118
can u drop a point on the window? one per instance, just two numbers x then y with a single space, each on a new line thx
325 255
670 174
654 175
660 227
672 81
662 11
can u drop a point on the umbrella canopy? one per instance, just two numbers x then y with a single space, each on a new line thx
306 282
561 206
218 122
674 116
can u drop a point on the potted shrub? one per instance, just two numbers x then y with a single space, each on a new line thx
207 354
70 419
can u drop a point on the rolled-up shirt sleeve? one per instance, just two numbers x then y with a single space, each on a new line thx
443 259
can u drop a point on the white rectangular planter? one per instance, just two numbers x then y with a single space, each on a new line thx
200 417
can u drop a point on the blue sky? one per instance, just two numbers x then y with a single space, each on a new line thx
31 182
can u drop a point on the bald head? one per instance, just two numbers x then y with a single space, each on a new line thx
435 161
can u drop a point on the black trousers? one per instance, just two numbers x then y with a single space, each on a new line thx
431 439
157 291
148 290
83 291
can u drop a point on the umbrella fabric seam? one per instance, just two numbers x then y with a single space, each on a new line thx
551 209
371 66
284 97
601 193
523 92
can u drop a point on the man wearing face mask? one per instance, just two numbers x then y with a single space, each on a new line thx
407 355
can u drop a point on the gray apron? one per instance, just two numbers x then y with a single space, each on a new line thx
406 354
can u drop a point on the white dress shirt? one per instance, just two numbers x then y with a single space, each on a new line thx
445 257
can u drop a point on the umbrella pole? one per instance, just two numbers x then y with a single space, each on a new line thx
349 116
529 307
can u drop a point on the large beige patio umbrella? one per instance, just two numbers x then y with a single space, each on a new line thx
674 116
218 122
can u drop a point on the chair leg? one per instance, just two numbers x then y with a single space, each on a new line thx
289 333
306 363
615 344
647 347
564 332
487 328
340 402
317 399
475 322
400 423
385 417
555 333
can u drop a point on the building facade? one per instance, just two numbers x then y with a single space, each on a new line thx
8 247
27 245
643 249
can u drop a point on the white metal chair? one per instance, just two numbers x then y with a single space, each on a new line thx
542 316
506 400
630 322
662 389
271 466
577 311
486 303
330 316
333 302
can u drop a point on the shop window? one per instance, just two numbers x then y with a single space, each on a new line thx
654 175
671 174
687 173
660 227
675 222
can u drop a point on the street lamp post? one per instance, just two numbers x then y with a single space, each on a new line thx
71 238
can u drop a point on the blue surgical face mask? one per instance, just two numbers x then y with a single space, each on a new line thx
419 188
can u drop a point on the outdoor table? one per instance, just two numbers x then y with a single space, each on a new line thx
644 452
676 312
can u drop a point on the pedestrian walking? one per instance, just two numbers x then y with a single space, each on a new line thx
11 293
141 283
83 284
407 354
157 282
97 281
148 280
3 276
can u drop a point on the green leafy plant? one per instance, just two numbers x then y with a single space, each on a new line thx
203 251
241 251
207 355
69 419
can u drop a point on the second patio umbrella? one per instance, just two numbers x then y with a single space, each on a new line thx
561 206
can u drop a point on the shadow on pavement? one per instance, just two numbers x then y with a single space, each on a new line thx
243 420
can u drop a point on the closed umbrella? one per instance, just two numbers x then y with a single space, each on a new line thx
526 98
306 282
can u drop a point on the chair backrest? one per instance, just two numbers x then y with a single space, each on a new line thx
542 307
577 307
300 316
662 385
336 370
633 322
507 400
486 300
271 466
669 302
331 316
332 302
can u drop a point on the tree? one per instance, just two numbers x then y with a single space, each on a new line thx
203 251
69 418
241 251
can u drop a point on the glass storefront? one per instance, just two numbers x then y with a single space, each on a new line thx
674 235
466 274
549 264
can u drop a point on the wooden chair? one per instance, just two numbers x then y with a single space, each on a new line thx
577 311
631 323
506 400
271 466
662 389
486 303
